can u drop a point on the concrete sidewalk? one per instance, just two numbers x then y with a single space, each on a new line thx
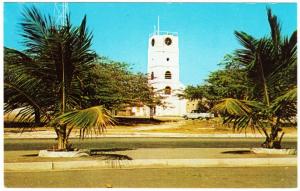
148 158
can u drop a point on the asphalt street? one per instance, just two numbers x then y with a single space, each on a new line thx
253 177
134 142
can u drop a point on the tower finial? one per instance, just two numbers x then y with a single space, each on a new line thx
60 11
158 25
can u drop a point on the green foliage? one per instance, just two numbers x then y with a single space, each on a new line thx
229 82
113 85
195 92
270 66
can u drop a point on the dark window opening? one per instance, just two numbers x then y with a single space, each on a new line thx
168 75
152 75
152 42
168 90
168 41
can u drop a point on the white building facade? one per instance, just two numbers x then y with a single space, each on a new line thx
163 71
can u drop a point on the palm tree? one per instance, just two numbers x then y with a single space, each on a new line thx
49 75
271 66
17 93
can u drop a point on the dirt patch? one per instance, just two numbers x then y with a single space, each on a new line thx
136 126
213 126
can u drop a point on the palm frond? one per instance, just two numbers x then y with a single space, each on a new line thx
285 72
230 106
35 29
275 30
241 113
95 119
285 106
246 40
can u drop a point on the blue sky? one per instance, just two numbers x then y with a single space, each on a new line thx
121 30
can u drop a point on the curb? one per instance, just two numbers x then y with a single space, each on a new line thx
149 163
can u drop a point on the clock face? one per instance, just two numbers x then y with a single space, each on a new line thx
152 42
168 41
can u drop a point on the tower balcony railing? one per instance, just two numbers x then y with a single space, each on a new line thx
163 33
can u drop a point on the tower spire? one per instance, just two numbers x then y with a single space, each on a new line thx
60 11
158 25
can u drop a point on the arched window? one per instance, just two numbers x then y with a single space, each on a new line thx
168 75
168 90
152 75
152 42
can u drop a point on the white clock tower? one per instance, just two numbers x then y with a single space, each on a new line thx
163 70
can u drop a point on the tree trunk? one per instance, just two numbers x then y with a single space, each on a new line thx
61 143
62 134
37 117
62 139
63 94
266 92
273 141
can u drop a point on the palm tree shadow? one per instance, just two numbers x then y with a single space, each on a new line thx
109 156
237 152
104 156
31 155
101 153
111 150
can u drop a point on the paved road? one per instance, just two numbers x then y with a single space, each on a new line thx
260 177
134 142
